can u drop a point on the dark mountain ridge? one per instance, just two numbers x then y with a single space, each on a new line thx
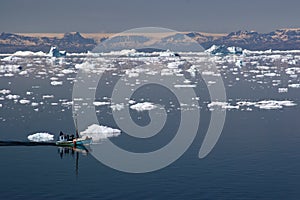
282 39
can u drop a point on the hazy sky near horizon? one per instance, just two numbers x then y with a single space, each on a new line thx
218 16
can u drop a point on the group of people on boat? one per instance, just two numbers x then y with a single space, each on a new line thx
66 137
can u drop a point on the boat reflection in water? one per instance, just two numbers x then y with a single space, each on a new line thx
73 151
63 151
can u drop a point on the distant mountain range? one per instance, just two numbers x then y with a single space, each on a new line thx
71 42
282 39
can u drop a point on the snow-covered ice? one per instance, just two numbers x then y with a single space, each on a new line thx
145 106
98 132
41 137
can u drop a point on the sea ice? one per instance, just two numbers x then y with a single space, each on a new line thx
41 137
117 107
282 90
99 103
5 91
294 85
55 83
185 86
24 101
48 96
98 132
145 106
12 96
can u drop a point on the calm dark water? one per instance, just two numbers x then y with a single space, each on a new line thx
256 157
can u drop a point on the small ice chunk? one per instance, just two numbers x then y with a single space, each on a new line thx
294 85
282 90
85 66
145 106
131 101
12 96
185 86
23 72
67 71
55 83
34 104
99 103
9 75
48 96
53 78
24 101
117 107
4 91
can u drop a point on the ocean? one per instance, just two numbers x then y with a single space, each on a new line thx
255 157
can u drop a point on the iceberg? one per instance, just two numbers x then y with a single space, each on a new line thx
117 107
100 103
5 91
54 52
41 137
55 83
29 53
98 132
24 101
145 106
224 50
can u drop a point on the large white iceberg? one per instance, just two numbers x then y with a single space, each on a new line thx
98 132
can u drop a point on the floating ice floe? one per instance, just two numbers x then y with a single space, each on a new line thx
56 83
117 107
223 105
98 132
167 53
10 58
282 90
34 104
5 91
68 71
10 68
23 72
131 101
67 103
145 106
24 101
53 78
294 85
85 66
41 137
8 75
12 96
48 96
99 103
273 104
264 104
185 86
175 64
29 53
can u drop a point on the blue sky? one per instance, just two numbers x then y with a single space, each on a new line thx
218 16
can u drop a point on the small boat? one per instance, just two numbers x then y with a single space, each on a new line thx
69 141
64 141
